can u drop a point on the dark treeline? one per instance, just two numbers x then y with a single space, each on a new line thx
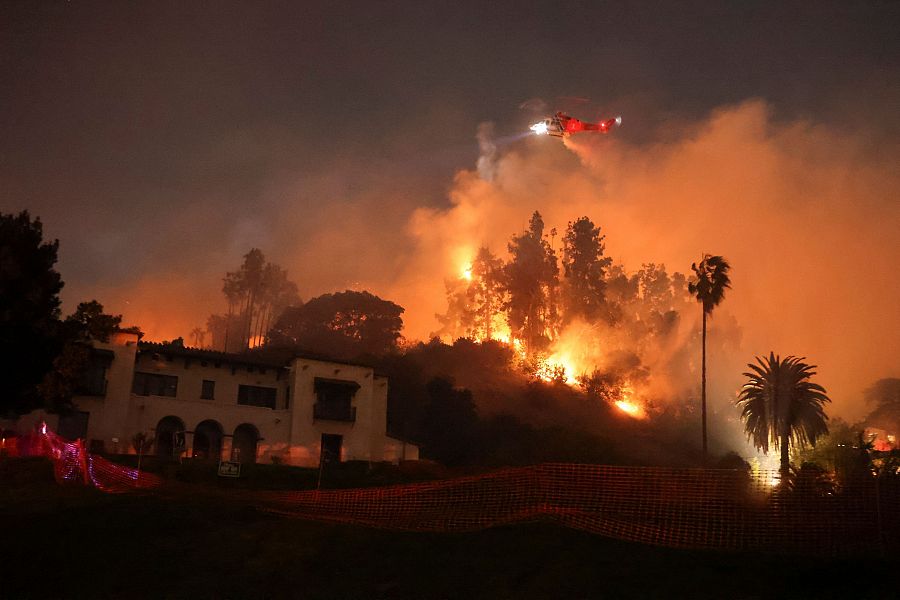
44 359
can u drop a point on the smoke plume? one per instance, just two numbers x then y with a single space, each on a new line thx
806 214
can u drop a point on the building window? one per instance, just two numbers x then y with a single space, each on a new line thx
334 400
252 395
154 384
208 391
92 381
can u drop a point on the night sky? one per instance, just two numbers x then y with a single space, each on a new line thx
159 141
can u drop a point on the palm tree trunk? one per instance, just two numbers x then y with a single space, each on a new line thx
249 321
785 457
243 315
703 389
228 323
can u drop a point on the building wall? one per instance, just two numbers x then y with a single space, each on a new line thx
357 435
109 420
289 433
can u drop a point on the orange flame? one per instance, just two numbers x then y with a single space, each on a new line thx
628 406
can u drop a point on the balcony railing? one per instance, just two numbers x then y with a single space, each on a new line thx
334 412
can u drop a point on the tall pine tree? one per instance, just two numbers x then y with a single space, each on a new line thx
584 285
532 279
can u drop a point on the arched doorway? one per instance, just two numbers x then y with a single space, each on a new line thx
169 436
243 445
208 440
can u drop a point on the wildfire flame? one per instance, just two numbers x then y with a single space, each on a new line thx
628 406
563 365
559 363
571 356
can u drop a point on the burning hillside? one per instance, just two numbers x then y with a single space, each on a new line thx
570 315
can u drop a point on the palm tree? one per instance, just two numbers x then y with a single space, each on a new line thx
197 337
781 407
709 288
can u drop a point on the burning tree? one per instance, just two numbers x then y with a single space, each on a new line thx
565 332
475 300
584 267
532 281
486 293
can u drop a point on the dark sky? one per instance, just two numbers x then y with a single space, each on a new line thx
163 138
114 111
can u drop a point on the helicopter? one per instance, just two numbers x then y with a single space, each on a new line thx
563 125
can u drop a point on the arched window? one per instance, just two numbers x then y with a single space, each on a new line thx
169 436
243 445
208 440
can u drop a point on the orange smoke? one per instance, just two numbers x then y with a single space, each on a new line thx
806 215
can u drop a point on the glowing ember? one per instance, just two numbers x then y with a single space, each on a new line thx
466 273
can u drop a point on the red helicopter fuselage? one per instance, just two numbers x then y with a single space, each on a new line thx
563 125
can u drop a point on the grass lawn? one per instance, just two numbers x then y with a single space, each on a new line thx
72 542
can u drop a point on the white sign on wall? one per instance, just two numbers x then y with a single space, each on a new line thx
228 468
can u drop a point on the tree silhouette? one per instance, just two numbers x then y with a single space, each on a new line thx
89 322
257 293
711 281
79 331
475 300
458 321
532 277
656 308
485 294
584 268
781 407
343 325
29 310
198 335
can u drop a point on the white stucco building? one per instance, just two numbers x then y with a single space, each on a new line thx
202 403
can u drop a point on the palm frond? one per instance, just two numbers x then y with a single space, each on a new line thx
778 401
711 281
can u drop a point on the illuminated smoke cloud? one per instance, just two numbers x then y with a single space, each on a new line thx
805 214
487 150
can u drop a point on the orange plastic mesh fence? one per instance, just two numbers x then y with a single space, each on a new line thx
681 508
73 464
